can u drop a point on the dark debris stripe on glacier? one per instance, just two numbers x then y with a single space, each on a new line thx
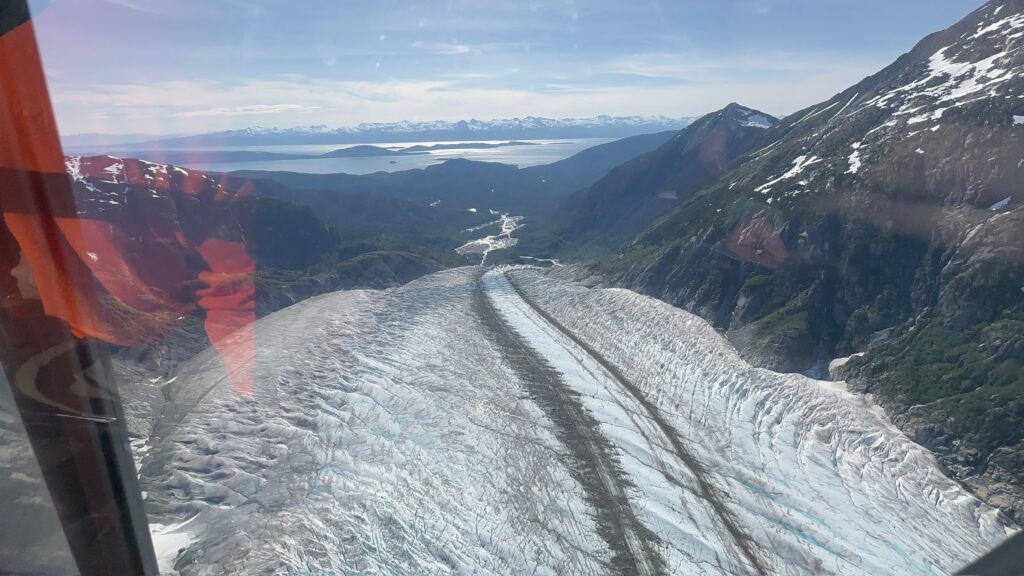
705 488
594 464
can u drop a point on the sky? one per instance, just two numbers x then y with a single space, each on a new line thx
189 66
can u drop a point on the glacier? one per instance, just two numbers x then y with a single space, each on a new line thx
511 421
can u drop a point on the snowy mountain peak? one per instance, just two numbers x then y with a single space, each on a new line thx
952 83
747 116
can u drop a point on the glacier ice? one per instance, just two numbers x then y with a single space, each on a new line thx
820 478
384 435
389 433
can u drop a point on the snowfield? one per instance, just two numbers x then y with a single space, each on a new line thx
507 422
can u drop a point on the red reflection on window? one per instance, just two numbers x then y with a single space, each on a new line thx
122 250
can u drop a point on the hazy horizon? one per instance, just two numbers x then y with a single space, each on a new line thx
257 125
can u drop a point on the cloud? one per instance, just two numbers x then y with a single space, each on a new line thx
442 47
194 106
489 75
469 75
698 67
254 109
204 65
144 6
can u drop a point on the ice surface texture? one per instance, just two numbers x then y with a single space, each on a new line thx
392 432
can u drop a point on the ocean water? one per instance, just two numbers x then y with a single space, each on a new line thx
539 152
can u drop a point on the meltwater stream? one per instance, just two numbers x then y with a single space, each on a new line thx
505 422
506 223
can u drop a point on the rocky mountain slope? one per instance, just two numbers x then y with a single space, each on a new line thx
886 221
631 196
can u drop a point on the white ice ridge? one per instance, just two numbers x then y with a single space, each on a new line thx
820 479
666 495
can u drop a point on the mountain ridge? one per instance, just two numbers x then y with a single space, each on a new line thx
632 195
886 222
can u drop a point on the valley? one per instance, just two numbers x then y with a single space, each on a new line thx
739 343
506 225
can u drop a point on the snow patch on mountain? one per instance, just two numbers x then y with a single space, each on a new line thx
799 164
750 118
756 121
845 106
1001 205
976 69
960 73
947 83
1010 22
854 159
814 113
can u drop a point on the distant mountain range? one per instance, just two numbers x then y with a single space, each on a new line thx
192 157
405 131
